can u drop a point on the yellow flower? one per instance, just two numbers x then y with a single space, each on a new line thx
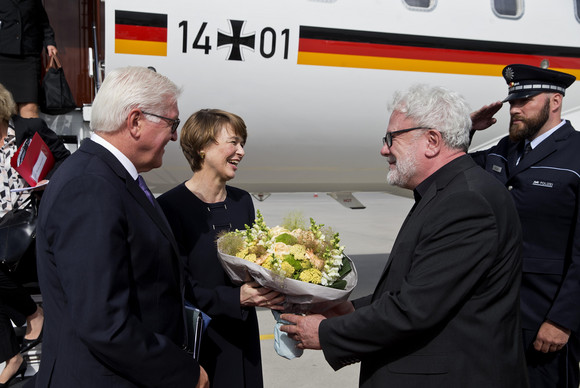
268 262
251 257
286 269
311 275
242 254
311 255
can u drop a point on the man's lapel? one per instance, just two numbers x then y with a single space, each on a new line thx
408 226
154 212
544 149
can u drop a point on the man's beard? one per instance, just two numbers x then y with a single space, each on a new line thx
405 168
528 128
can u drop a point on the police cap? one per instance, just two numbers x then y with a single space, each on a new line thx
526 81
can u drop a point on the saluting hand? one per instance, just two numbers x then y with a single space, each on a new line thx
483 117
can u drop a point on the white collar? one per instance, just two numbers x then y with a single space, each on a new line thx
536 142
118 154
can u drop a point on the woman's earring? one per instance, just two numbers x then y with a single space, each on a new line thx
202 154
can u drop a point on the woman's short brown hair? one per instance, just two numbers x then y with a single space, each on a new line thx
203 127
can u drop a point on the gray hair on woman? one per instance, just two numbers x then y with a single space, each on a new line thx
7 104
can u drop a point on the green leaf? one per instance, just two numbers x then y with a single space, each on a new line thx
339 284
293 262
286 238
346 267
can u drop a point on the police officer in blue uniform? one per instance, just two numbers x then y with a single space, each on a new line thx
539 163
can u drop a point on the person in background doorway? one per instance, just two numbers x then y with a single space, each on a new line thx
24 32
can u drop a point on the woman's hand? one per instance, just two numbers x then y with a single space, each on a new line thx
51 50
40 186
254 295
203 381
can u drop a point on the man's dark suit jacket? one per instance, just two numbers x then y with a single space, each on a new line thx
445 311
111 281
545 187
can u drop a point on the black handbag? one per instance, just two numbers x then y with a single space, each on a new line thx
56 97
17 233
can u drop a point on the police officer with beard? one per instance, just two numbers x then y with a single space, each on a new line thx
539 163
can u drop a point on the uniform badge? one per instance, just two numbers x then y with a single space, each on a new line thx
508 74
543 184
496 168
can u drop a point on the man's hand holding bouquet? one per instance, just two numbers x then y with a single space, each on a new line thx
307 265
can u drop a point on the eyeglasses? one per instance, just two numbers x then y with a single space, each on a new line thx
388 139
173 122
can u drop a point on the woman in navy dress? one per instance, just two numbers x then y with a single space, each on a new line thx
198 210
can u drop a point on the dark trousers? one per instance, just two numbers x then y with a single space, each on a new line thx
15 304
555 369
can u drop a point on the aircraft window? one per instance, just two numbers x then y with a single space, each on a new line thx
423 4
508 8
577 9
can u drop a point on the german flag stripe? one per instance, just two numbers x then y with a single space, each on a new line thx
140 33
348 48
140 47
152 34
425 53
144 19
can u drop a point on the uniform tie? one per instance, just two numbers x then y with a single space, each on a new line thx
526 150
143 186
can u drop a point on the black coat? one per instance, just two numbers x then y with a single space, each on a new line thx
111 281
24 28
445 310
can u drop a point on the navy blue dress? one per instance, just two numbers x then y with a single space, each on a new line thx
230 349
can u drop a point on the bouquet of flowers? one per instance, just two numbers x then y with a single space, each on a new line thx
307 265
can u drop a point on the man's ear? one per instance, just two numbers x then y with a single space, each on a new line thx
134 123
556 102
434 143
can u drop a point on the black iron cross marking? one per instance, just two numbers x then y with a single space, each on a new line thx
236 40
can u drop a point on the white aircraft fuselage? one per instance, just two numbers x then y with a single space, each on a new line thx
312 79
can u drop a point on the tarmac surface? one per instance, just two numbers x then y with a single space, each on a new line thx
368 235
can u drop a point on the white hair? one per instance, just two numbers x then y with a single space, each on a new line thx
129 88
438 108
